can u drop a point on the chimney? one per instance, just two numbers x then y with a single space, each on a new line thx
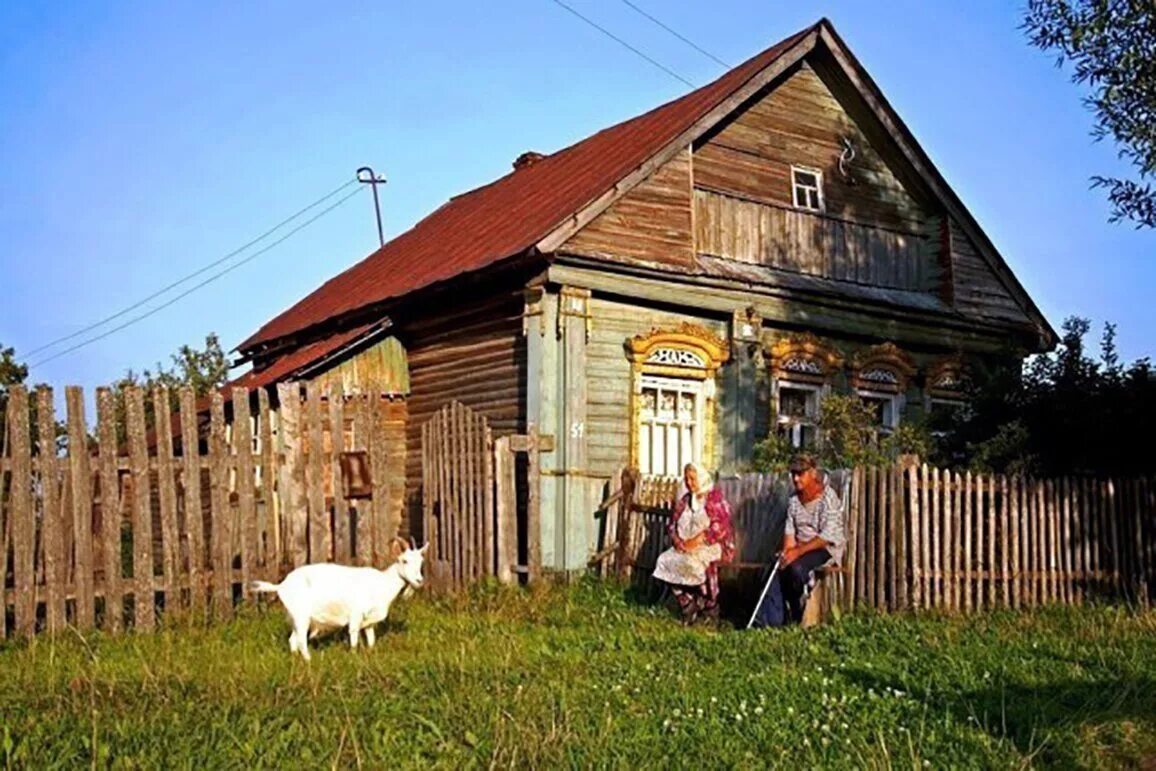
528 158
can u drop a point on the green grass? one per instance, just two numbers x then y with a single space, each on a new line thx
580 676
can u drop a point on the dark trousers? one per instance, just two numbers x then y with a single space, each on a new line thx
786 597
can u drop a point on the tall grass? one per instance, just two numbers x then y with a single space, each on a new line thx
580 676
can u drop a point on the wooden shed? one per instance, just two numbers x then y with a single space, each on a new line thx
673 288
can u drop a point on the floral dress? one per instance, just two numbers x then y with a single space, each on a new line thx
693 575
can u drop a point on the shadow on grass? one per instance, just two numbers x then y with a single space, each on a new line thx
737 596
1047 722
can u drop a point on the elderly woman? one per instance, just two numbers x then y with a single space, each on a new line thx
700 529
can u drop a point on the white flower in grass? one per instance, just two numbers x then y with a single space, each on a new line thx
743 705
806 741
927 764
826 728
843 726
666 723
758 710
738 718
826 741
806 679
790 710
698 713
714 700
677 713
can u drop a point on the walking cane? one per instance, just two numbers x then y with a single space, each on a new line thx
759 604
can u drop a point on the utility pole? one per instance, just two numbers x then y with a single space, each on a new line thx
374 180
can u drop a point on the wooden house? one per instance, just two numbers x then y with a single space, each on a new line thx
673 288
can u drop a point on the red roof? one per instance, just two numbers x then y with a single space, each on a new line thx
507 217
298 358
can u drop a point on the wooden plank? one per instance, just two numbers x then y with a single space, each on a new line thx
144 605
220 535
878 484
1011 564
22 513
993 534
506 511
926 527
915 527
319 542
246 518
294 505
1139 574
469 468
194 524
1051 502
936 523
342 551
445 498
534 507
167 492
900 523
110 511
1066 551
379 471
427 494
80 480
268 516
968 513
952 487
1114 529
55 567
489 524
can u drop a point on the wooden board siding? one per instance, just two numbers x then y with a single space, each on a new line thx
608 375
473 353
783 237
381 368
800 122
977 291
651 223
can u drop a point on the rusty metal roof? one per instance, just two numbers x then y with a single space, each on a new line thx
508 216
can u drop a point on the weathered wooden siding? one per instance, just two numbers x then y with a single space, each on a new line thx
783 237
800 122
381 369
651 223
977 291
609 375
474 353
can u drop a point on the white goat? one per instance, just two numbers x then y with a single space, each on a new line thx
325 595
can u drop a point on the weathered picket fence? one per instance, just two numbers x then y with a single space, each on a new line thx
920 537
112 528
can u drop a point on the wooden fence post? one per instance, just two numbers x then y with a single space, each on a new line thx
80 475
220 517
167 493
21 512
194 513
51 512
246 485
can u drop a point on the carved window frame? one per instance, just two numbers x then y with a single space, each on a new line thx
686 352
803 362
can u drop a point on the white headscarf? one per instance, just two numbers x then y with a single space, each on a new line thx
705 480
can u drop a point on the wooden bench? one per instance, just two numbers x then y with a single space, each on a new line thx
818 607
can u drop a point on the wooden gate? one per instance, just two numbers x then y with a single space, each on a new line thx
473 488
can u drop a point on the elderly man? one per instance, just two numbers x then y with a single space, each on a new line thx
813 537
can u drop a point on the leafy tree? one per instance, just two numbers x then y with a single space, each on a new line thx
847 437
204 369
1111 45
12 372
1063 413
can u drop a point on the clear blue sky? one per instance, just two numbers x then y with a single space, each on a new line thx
141 140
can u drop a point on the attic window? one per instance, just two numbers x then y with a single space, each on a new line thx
808 187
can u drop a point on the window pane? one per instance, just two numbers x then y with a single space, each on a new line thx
672 465
793 402
814 199
800 197
658 451
806 178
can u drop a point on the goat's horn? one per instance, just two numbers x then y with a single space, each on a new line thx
398 540
412 542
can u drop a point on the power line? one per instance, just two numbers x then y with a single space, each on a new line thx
622 42
192 275
197 286
686 40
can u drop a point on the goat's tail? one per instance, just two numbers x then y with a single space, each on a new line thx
263 586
